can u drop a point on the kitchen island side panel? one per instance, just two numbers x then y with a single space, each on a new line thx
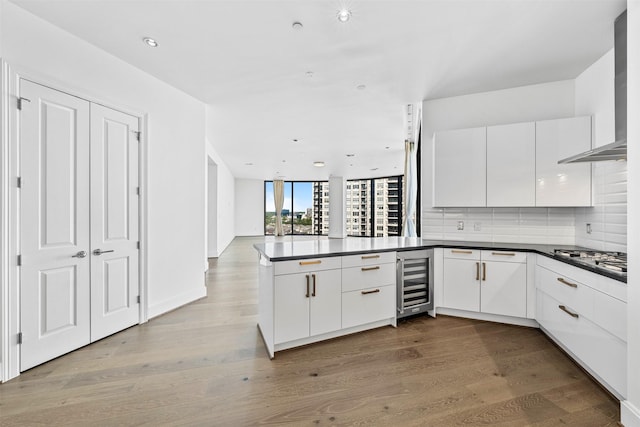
265 303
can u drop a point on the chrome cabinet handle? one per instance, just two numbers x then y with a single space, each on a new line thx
80 254
563 308
458 251
563 281
484 271
98 252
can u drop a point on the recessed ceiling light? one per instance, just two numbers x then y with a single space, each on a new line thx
248 164
318 164
295 140
350 155
309 73
344 15
284 161
297 25
151 42
386 148
374 169
361 87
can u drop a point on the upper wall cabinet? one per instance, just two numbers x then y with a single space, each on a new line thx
460 168
566 184
511 166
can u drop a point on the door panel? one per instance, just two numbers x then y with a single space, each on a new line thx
54 164
114 221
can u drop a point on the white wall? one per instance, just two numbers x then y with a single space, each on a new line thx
631 407
176 143
225 215
521 104
608 217
249 207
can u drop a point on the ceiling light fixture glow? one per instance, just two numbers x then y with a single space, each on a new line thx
344 15
318 164
297 25
150 42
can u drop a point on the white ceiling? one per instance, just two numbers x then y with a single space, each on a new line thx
246 61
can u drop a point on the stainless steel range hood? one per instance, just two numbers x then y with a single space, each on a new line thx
616 150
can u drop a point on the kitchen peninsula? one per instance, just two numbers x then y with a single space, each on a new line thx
318 289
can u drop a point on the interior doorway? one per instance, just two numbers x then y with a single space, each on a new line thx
212 209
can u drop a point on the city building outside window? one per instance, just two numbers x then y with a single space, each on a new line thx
305 210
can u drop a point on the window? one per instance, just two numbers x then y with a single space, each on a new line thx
376 206
305 210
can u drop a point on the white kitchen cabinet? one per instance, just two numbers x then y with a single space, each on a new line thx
504 283
462 279
369 288
511 167
460 169
562 184
307 304
586 314
491 282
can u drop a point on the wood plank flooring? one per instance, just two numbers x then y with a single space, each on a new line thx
205 365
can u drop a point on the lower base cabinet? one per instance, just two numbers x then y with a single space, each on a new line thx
310 300
603 354
307 304
368 305
585 313
491 282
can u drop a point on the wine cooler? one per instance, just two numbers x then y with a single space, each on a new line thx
415 282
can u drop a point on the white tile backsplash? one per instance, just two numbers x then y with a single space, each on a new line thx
608 216
511 225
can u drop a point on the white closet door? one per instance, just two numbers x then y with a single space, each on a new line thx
114 221
54 239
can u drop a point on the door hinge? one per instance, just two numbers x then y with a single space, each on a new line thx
19 182
19 260
138 191
19 337
138 299
137 134
21 101
138 245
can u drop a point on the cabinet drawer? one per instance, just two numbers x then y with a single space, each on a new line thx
368 259
460 253
356 278
568 291
610 314
368 305
603 353
306 265
504 256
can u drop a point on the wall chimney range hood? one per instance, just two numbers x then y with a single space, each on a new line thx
616 150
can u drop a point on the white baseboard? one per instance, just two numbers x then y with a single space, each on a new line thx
177 301
629 414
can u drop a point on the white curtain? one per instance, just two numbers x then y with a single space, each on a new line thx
411 173
278 199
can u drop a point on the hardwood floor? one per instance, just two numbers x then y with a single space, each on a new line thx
205 365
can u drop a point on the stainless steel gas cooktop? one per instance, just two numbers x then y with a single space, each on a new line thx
615 262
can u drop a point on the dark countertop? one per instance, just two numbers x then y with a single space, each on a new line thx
320 247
